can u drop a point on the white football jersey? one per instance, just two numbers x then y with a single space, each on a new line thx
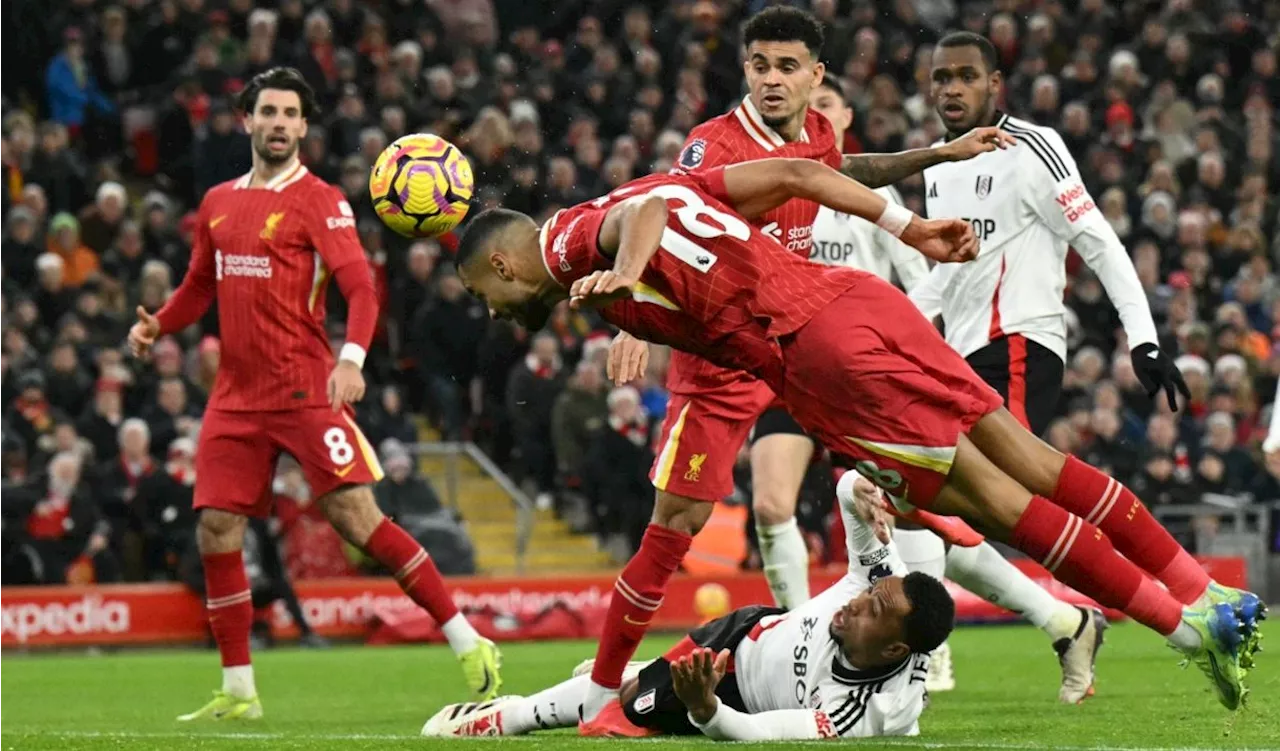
846 240
792 662
1027 204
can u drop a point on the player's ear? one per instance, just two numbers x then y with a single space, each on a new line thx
997 81
896 651
303 134
819 72
501 266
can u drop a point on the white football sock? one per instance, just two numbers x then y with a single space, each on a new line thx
984 572
555 707
922 551
786 562
462 636
596 697
238 682
1185 637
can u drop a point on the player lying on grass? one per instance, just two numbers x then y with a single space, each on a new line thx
850 663
667 259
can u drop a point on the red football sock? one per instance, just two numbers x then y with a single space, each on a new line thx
1081 556
413 568
229 604
636 597
1104 501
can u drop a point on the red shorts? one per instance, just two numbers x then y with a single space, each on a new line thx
236 457
871 379
701 436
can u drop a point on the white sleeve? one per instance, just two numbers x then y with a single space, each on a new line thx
728 724
1272 441
1057 195
869 559
908 263
927 295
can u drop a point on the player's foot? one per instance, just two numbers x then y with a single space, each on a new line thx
313 641
1248 608
1222 635
612 722
480 666
1078 654
468 719
940 677
632 669
224 706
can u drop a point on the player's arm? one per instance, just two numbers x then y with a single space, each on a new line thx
1059 198
877 170
192 297
629 234
1272 441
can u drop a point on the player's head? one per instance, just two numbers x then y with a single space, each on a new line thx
966 81
828 99
276 105
498 262
898 616
782 67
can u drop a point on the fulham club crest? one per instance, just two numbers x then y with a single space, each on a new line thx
692 155
983 187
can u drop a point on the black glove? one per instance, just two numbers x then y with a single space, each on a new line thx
1156 371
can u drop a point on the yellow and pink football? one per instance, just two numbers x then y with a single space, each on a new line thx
421 185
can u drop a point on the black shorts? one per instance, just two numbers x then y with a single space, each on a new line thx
1028 375
656 705
775 421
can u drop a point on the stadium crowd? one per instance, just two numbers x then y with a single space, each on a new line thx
111 139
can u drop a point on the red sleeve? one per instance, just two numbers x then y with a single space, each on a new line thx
573 248
712 183
331 227
193 296
708 145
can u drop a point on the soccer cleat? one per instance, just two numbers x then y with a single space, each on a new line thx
469 719
480 667
632 669
612 722
1078 654
1248 609
224 706
1222 636
940 677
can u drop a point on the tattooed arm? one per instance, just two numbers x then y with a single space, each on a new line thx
878 170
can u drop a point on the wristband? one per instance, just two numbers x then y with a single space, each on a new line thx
353 353
895 219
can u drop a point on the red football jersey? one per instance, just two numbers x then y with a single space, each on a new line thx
717 287
741 135
268 253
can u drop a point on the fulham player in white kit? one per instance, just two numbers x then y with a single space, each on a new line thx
1076 633
850 663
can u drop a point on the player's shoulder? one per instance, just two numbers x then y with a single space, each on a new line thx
819 128
1040 147
221 192
712 143
311 184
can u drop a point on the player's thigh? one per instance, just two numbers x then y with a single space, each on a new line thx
329 446
1027 459
981 493
235 463
780 456
699 442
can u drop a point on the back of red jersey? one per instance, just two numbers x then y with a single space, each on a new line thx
717 287
272 250
741 135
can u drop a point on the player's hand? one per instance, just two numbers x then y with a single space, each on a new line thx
695 677
870 506
628 359
143 334
943 240
346 385
977 141
1156 370
600 288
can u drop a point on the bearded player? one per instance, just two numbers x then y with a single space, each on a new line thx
672 260
712 409
850 663
1075 633
266 246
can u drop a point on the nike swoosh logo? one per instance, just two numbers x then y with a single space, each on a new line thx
216 221
627 618
345 470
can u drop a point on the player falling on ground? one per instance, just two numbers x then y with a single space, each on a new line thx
266 246
1075 633
713 409
850 663
667 259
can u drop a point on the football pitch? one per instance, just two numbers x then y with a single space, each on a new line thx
378 698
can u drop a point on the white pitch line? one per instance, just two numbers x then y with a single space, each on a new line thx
897 742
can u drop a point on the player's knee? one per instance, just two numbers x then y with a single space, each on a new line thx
681 514
772 508
220 531
353 513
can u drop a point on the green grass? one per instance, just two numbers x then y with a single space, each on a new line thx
378 698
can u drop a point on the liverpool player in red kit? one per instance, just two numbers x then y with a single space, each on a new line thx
266 245
668 259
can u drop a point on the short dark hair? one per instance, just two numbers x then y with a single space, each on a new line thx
969 39
281 78
481 230
933 612
832 83
782 23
